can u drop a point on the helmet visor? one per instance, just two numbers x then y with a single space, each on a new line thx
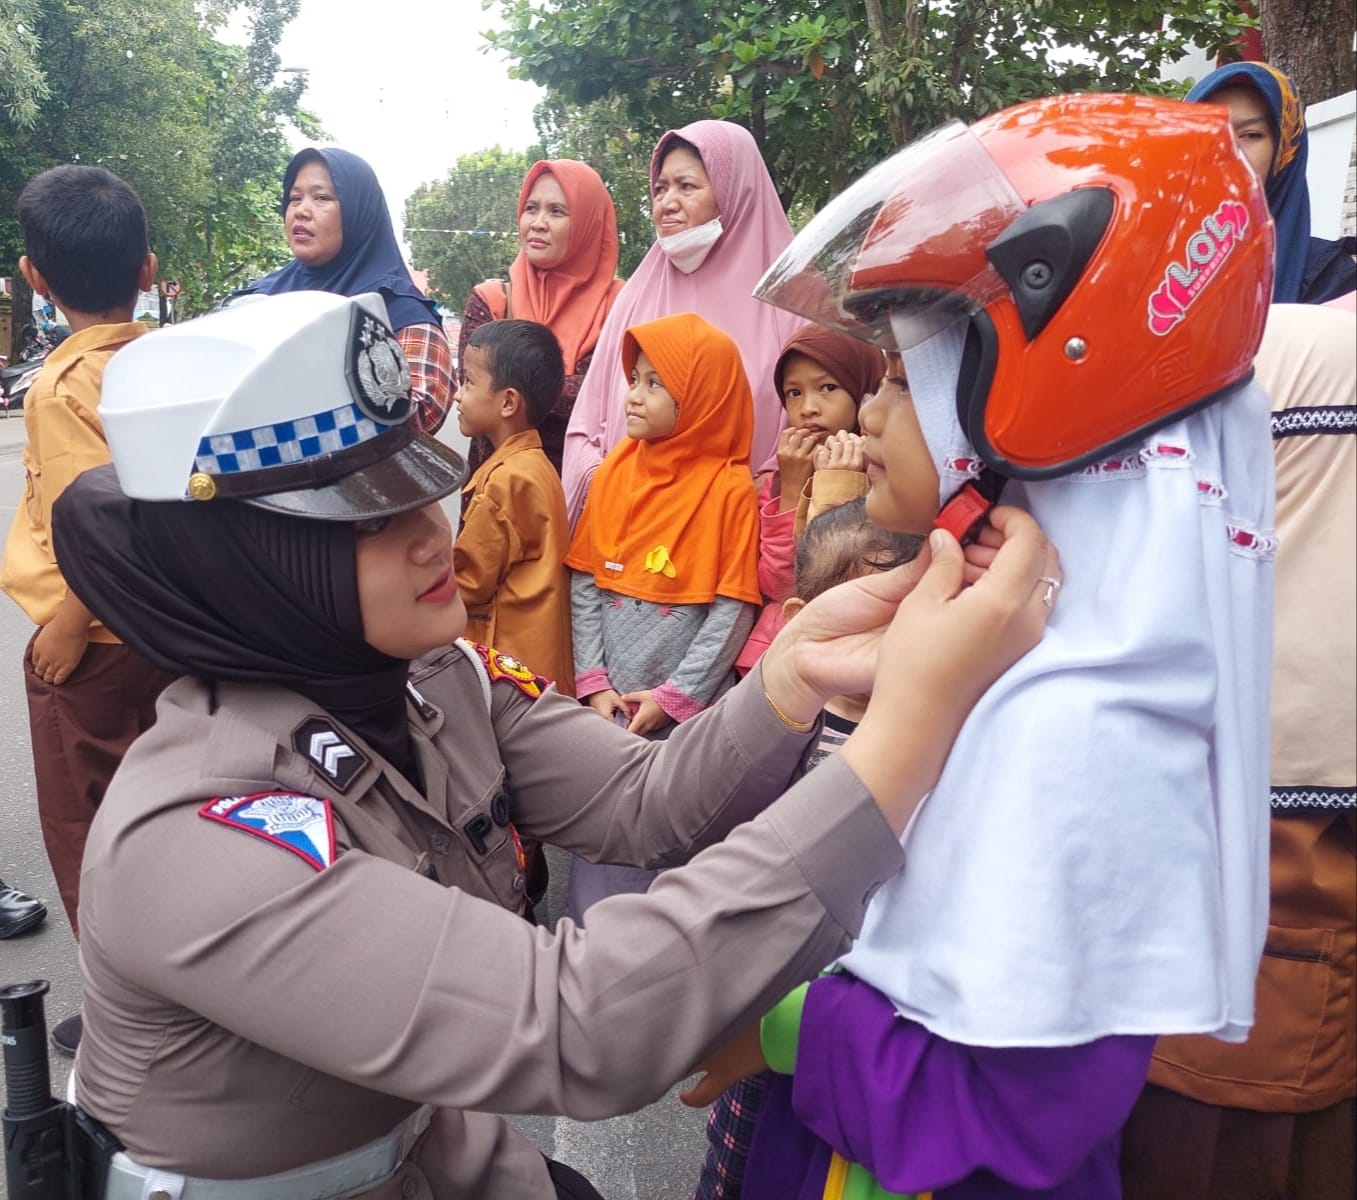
901 254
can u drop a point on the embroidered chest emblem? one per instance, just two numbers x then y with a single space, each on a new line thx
504 666
338 759
303 825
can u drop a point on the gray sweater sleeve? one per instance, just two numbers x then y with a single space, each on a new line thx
713 651
586 616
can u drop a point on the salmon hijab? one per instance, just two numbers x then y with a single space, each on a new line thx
857 366
675 520
755 232
572 298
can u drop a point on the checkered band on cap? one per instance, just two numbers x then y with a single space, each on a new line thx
286 442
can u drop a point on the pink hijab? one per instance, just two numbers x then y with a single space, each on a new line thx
720 291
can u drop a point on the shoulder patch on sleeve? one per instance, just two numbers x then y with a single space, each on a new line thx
304 825
503 666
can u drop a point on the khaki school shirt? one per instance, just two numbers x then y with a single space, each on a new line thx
64 438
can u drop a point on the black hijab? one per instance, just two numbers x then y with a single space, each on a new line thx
226 591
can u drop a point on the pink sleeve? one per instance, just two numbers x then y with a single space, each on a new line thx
777 545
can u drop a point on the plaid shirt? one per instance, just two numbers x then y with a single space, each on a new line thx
431 382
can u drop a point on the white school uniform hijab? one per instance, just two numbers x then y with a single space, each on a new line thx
1093 859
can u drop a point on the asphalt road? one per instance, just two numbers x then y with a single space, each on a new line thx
654 1154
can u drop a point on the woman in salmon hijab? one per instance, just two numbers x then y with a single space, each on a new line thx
718 225
565 277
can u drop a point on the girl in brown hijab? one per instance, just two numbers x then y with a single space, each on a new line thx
822 377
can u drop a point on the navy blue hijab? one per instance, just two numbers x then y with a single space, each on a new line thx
1288 195
370 260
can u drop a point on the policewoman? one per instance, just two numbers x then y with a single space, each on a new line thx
305 967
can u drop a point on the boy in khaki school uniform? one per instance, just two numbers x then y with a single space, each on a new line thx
508 556
89 696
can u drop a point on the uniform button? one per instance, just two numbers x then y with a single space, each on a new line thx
160 1194
409 1188
439 841
519 882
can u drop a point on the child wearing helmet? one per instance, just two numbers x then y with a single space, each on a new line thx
1070 293
303 897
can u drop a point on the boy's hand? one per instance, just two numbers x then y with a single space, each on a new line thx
608 704
646 715
841 451
58 649
730 1062
795 464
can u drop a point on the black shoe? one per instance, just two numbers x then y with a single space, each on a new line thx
66 1035
17 911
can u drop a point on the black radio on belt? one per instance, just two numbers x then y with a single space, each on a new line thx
53 1150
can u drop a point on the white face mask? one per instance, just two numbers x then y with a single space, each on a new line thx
688 250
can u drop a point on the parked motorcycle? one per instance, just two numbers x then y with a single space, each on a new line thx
17 378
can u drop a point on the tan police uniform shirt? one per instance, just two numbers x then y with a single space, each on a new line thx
246 1012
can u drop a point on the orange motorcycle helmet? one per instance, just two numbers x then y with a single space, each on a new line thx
1111 254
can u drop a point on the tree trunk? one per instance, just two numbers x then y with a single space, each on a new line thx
21 314
1311 40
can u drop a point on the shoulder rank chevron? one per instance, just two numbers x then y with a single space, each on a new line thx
305 825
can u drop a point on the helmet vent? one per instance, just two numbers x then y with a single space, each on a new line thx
1042 255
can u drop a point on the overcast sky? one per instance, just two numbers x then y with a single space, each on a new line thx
408 85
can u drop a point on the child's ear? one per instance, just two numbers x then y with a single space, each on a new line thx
33 275
511 403
791 606
146 276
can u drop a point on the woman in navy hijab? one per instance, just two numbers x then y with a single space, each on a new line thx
1269 125
342 241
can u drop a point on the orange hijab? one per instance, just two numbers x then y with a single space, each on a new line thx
675 520
571 299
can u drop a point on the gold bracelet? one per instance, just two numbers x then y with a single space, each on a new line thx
797 726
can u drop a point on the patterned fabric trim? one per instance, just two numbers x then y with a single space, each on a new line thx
285 442
1251 543
675 703
1166 454
1211 491
1337 418
1314 797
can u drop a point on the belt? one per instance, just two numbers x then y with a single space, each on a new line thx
343 1175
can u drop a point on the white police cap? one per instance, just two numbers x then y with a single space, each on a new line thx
298 402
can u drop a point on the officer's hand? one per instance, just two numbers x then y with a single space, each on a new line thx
733 1060
646 715
947 643
58 649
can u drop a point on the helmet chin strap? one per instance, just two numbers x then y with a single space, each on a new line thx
968 507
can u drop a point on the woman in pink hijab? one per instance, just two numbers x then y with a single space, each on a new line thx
718 226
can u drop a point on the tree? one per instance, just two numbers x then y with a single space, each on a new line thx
463 228
1311 40
829 87
196 126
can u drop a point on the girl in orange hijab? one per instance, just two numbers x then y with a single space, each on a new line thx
565 277
664 583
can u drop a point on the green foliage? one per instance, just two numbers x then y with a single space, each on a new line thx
463 228
196 126
829 87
